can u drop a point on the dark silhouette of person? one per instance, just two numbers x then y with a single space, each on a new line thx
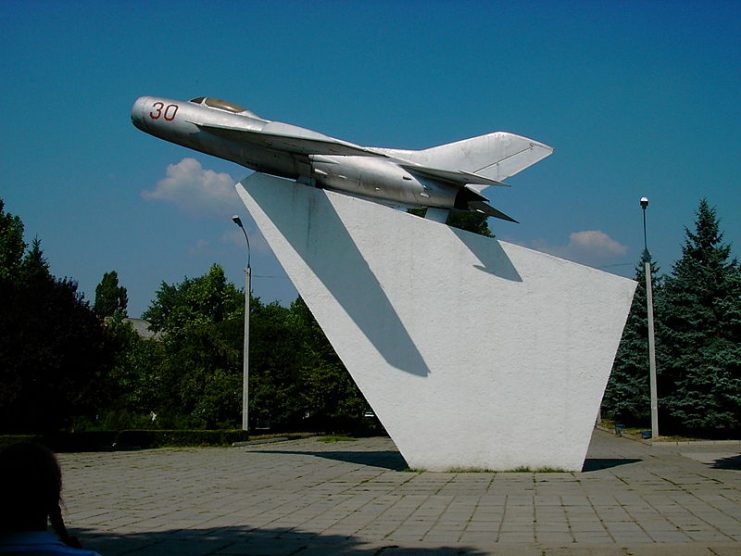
30 494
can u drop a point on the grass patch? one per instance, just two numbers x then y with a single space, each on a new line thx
331 438
469 470
484 470
550 470
282 435
523 469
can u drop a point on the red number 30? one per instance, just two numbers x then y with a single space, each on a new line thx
161 111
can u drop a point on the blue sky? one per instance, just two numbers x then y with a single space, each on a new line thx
637 98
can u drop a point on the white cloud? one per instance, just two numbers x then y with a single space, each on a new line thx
591 247
196 190
595 242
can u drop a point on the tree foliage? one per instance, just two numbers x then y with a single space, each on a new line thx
626 398
192 375
475 222
199 371
12 245
206 299
54 352
700 373
60 365
110 298
277 398
335 403
135 383
698 341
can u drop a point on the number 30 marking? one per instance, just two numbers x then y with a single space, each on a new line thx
161 111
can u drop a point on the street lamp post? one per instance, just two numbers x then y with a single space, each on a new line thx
246 345
651 338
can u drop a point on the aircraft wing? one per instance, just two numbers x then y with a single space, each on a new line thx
292 139
456 177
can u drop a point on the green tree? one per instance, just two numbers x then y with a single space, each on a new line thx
296 379
700 371
135 383
200 372
627 398
54 352
12 245
475 222
277 392
206 299
110 298
334 402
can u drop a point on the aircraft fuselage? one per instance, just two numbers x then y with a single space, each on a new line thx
403 178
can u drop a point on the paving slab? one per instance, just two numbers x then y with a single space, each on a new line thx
309 497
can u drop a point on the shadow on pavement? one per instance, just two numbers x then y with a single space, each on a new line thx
246 540
595 464
393 460
733 462
386 459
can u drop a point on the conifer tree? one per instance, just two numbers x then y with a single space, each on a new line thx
627 398
700 375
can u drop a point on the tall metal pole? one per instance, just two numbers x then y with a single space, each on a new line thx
246 343
644 204
651 337
246 351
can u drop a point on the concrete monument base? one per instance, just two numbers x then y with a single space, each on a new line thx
473 353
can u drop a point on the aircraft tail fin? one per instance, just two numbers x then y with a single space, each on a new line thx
496 156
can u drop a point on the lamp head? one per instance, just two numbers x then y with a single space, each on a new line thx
237 221
644 202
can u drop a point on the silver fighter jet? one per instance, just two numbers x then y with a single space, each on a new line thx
450 176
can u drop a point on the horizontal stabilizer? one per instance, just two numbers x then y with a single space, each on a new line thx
283 137
488 210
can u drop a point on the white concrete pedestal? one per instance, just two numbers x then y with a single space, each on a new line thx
473 353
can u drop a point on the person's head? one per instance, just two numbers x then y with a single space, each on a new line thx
31 484
30 490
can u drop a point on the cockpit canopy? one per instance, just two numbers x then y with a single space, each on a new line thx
223 105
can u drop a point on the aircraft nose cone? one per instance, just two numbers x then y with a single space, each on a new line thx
139 112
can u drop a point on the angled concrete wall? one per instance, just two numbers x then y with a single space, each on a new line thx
473 353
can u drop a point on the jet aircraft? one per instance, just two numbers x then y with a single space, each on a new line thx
443 178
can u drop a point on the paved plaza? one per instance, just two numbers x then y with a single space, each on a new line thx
310 498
